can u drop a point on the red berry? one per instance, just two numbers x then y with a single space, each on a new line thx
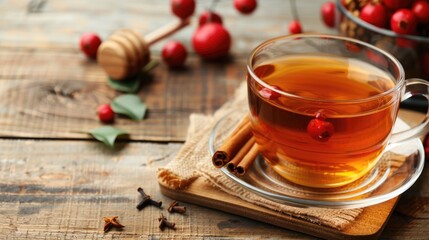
89 43
245 6
374 14
396 4
183 8
421 10
174 54
105 113
404 21
295 27
211 41
328 14
269 94
320 130
209 16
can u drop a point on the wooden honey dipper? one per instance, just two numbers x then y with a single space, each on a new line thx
125 52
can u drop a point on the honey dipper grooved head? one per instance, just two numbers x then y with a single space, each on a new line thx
123 54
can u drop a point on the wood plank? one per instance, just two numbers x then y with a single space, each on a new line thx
47 94
60 23
57 189
368 225
49 90
410 219
53 189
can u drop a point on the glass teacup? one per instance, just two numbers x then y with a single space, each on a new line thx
323 107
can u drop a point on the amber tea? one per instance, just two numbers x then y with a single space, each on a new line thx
321 121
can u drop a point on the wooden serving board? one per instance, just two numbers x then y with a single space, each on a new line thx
368 225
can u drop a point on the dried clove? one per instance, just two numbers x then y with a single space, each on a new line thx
175 208
163 223
146 200
110 222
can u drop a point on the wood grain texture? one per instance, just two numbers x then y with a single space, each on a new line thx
40 99
57 24
49 90
61 189
368 225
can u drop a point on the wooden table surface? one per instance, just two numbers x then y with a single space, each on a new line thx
56 182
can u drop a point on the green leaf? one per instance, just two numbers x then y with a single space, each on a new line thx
132 84
107 134
129 85
129 105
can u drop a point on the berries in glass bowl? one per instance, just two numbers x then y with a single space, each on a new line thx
396 26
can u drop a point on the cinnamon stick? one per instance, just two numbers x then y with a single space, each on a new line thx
242 153
247 160
241 134
244 121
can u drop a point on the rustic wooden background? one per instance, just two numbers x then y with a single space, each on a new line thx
56 182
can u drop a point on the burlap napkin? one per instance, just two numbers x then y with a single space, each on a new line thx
194 161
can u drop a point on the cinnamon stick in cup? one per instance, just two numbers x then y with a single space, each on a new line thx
233 144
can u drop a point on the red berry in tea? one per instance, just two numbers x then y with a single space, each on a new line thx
295 27
245 6
403 21
89 43
269 94
183 8
311 119
105 113
328 14
209 16
421 11
174 54
211 41
320 130
374 14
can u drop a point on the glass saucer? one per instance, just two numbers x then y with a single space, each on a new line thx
397 171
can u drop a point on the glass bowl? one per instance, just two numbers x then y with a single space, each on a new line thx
411 50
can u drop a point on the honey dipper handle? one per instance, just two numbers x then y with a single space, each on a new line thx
165 31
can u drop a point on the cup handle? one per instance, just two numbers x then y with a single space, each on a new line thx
413 87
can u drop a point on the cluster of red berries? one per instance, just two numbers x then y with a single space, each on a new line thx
409 17
211 40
